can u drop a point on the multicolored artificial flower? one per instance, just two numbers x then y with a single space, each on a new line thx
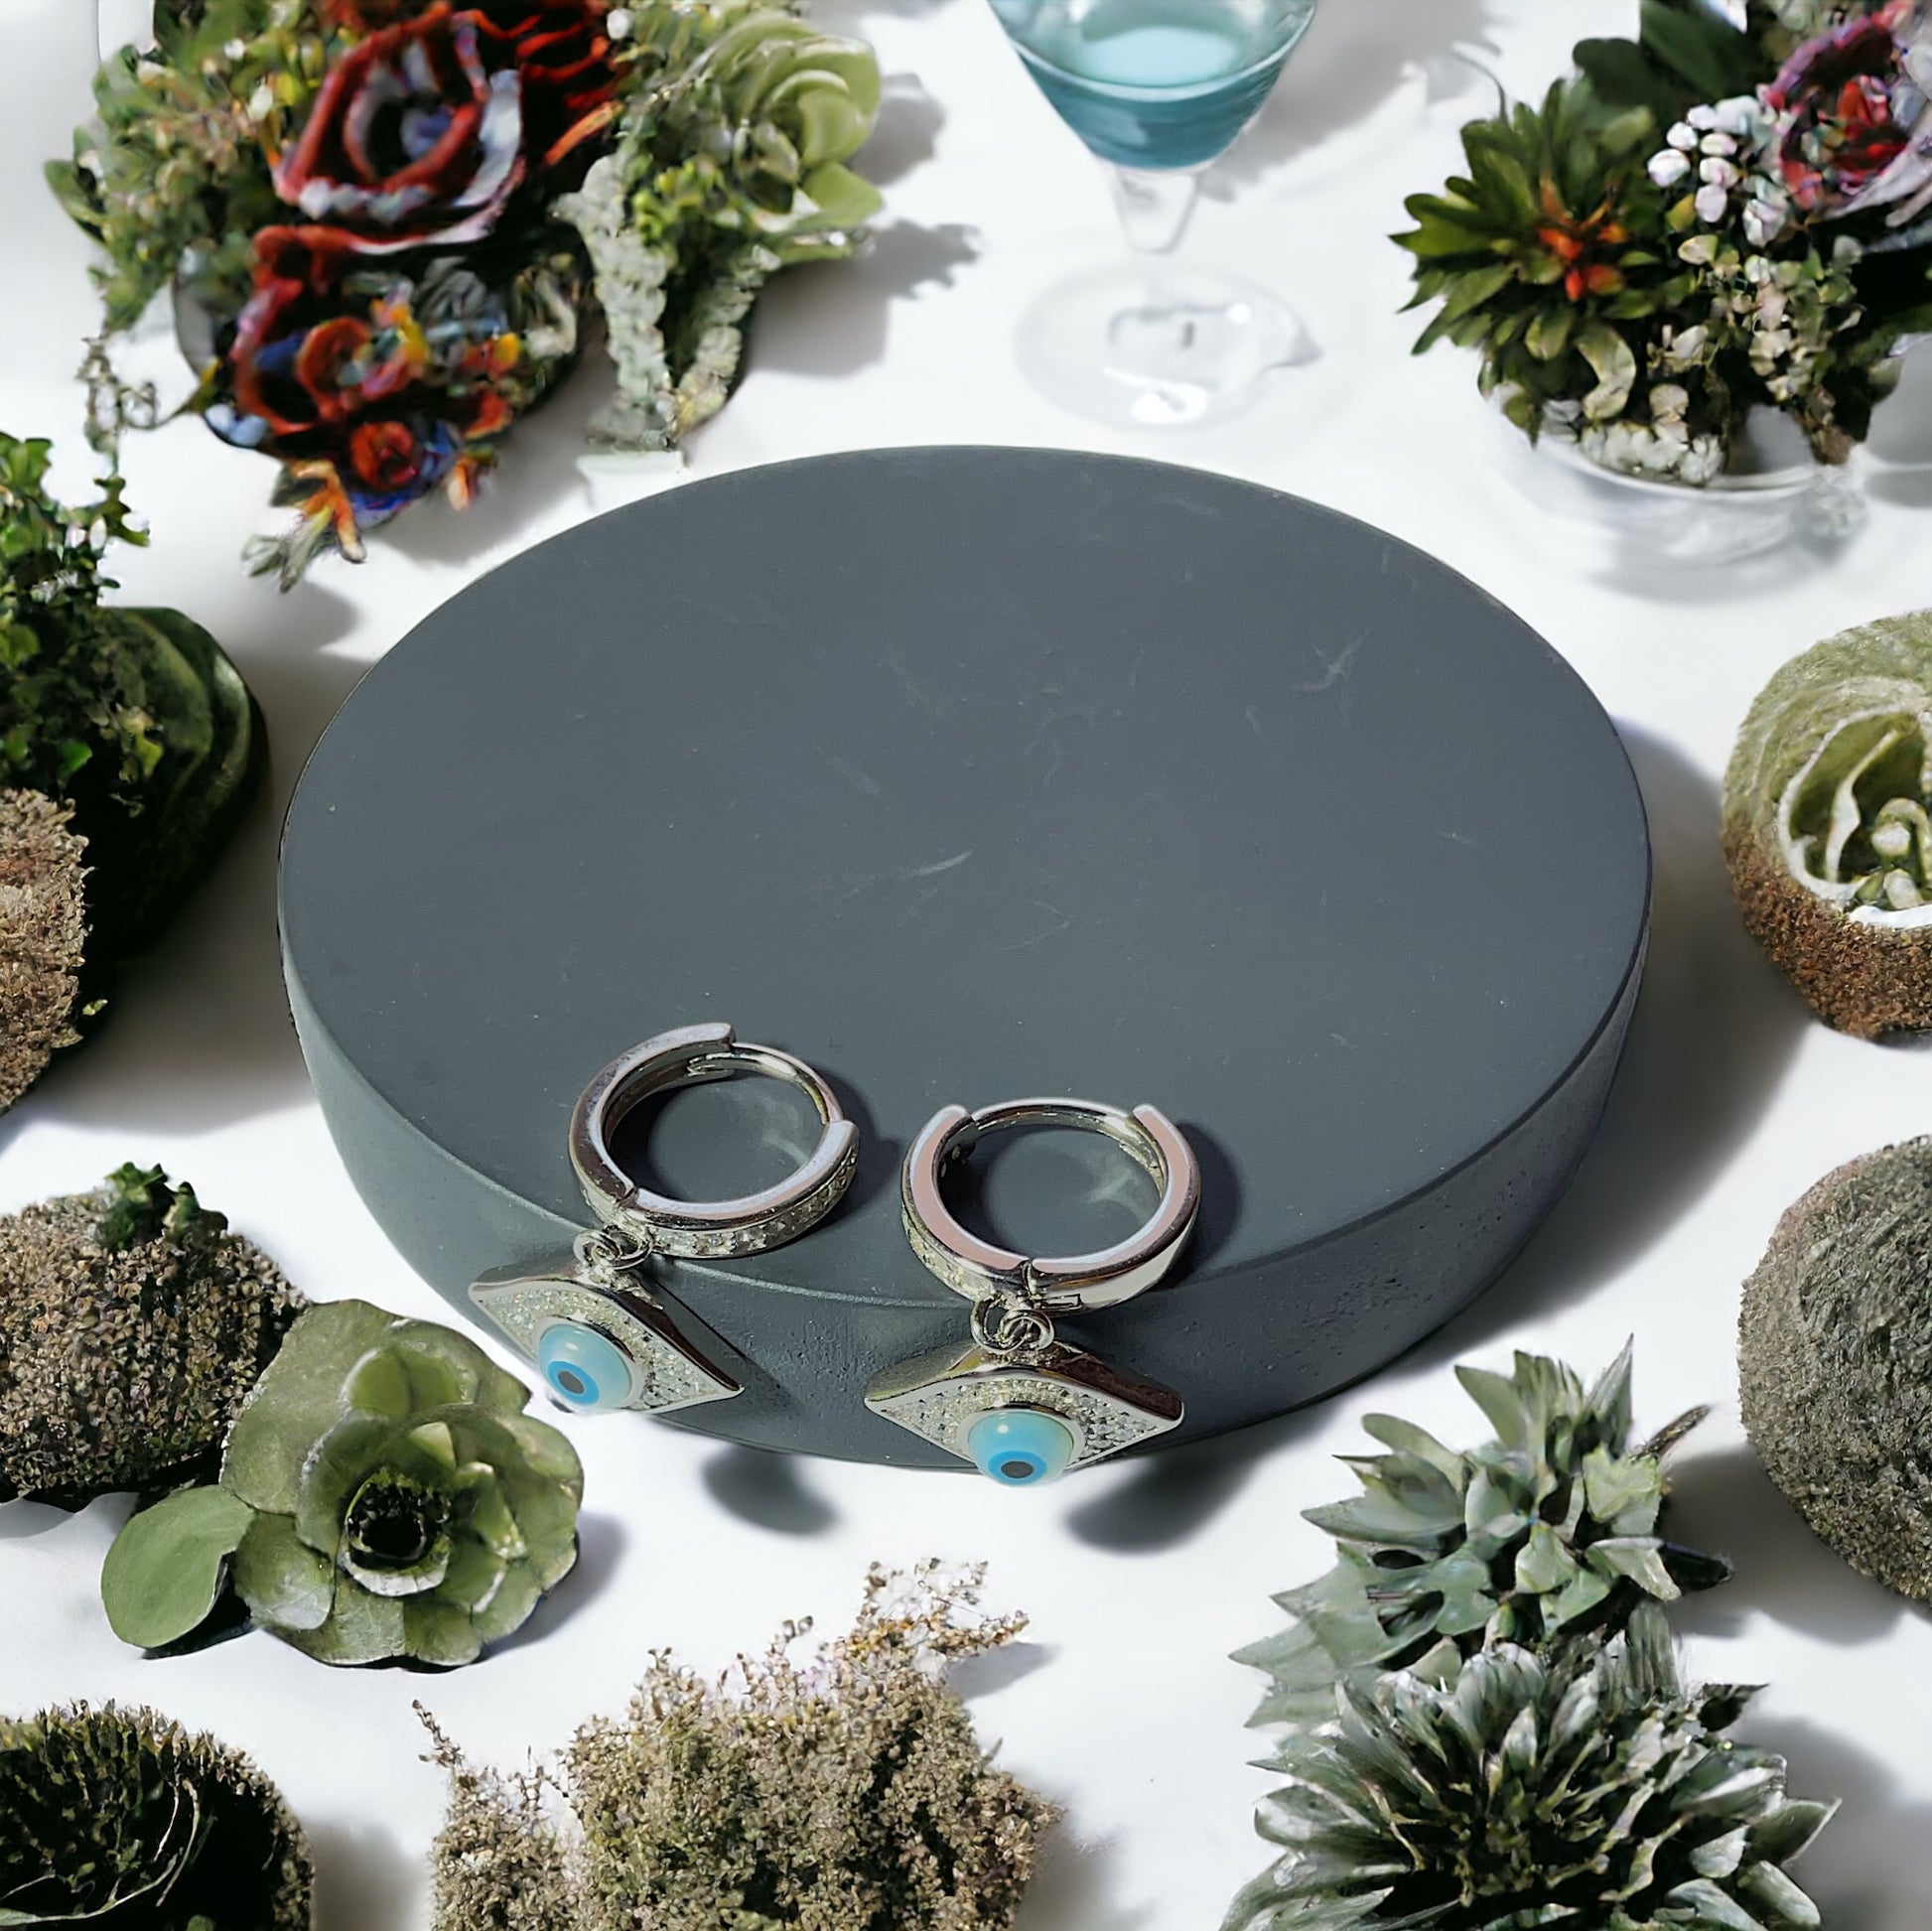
363 211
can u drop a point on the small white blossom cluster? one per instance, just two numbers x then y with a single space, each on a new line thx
1663 447
1725 148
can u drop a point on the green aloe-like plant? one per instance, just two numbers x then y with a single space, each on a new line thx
1588 1788
1545 1531
383 1495
1543 254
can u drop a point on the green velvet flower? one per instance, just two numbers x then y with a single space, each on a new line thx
383 1495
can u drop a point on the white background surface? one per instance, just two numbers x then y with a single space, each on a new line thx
1140 1579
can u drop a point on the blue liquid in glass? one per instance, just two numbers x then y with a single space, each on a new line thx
1156 84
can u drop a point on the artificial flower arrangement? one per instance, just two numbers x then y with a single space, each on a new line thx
387 225
362 1486
129 745
1732 213
1479 1710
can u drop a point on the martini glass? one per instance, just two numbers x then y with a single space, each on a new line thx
1157 89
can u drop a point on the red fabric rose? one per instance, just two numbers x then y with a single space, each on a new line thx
562 52
412 141
1835 100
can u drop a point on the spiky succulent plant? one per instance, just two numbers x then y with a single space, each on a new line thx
117 1818
1547 1530
1825 830
132 1326
1539 256
383 1495
1589 1787
1835 1361
43 935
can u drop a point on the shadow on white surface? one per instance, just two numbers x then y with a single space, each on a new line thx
1070 1890
907 133
1167 1498
1726 1503
600 1544
995 1670
1351 61
831 318
364 1879
1867 1872
768 1490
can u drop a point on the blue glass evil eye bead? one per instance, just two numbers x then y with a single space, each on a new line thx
586 1370
1020 1447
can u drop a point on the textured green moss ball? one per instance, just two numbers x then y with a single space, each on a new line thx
1834 1358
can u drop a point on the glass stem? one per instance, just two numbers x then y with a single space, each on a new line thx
1153 204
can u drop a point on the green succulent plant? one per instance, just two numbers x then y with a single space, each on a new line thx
1826 831
120 1820
133 717
1545 1531
383 1495
730 163
1588 1788
133 1324
1541 254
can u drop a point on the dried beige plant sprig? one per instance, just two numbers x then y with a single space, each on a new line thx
42 934
846 1791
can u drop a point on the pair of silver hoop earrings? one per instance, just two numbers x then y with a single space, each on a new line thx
1018 1402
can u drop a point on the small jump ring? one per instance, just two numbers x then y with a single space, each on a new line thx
706 1229
1061 1285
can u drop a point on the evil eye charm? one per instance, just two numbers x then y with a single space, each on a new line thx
585 1369
1020 1447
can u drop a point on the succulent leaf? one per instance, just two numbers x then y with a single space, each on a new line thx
390 1498
1547 1529
1582 1786
167 1569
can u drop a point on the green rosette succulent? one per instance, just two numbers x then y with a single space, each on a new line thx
1545 1531
1826 826
1590 1788
383 1495
134 717
728 164
120 1820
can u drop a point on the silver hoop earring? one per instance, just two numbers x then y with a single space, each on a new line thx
1019 1403
598 1334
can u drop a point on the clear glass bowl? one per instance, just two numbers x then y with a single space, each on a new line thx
1773 497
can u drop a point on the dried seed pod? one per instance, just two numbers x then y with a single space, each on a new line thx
1834 1360
118 1817
1826 829
43 932
132 1326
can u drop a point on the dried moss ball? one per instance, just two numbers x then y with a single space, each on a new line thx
1834 1356
43 932
119 1818
132 1326
1826 827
